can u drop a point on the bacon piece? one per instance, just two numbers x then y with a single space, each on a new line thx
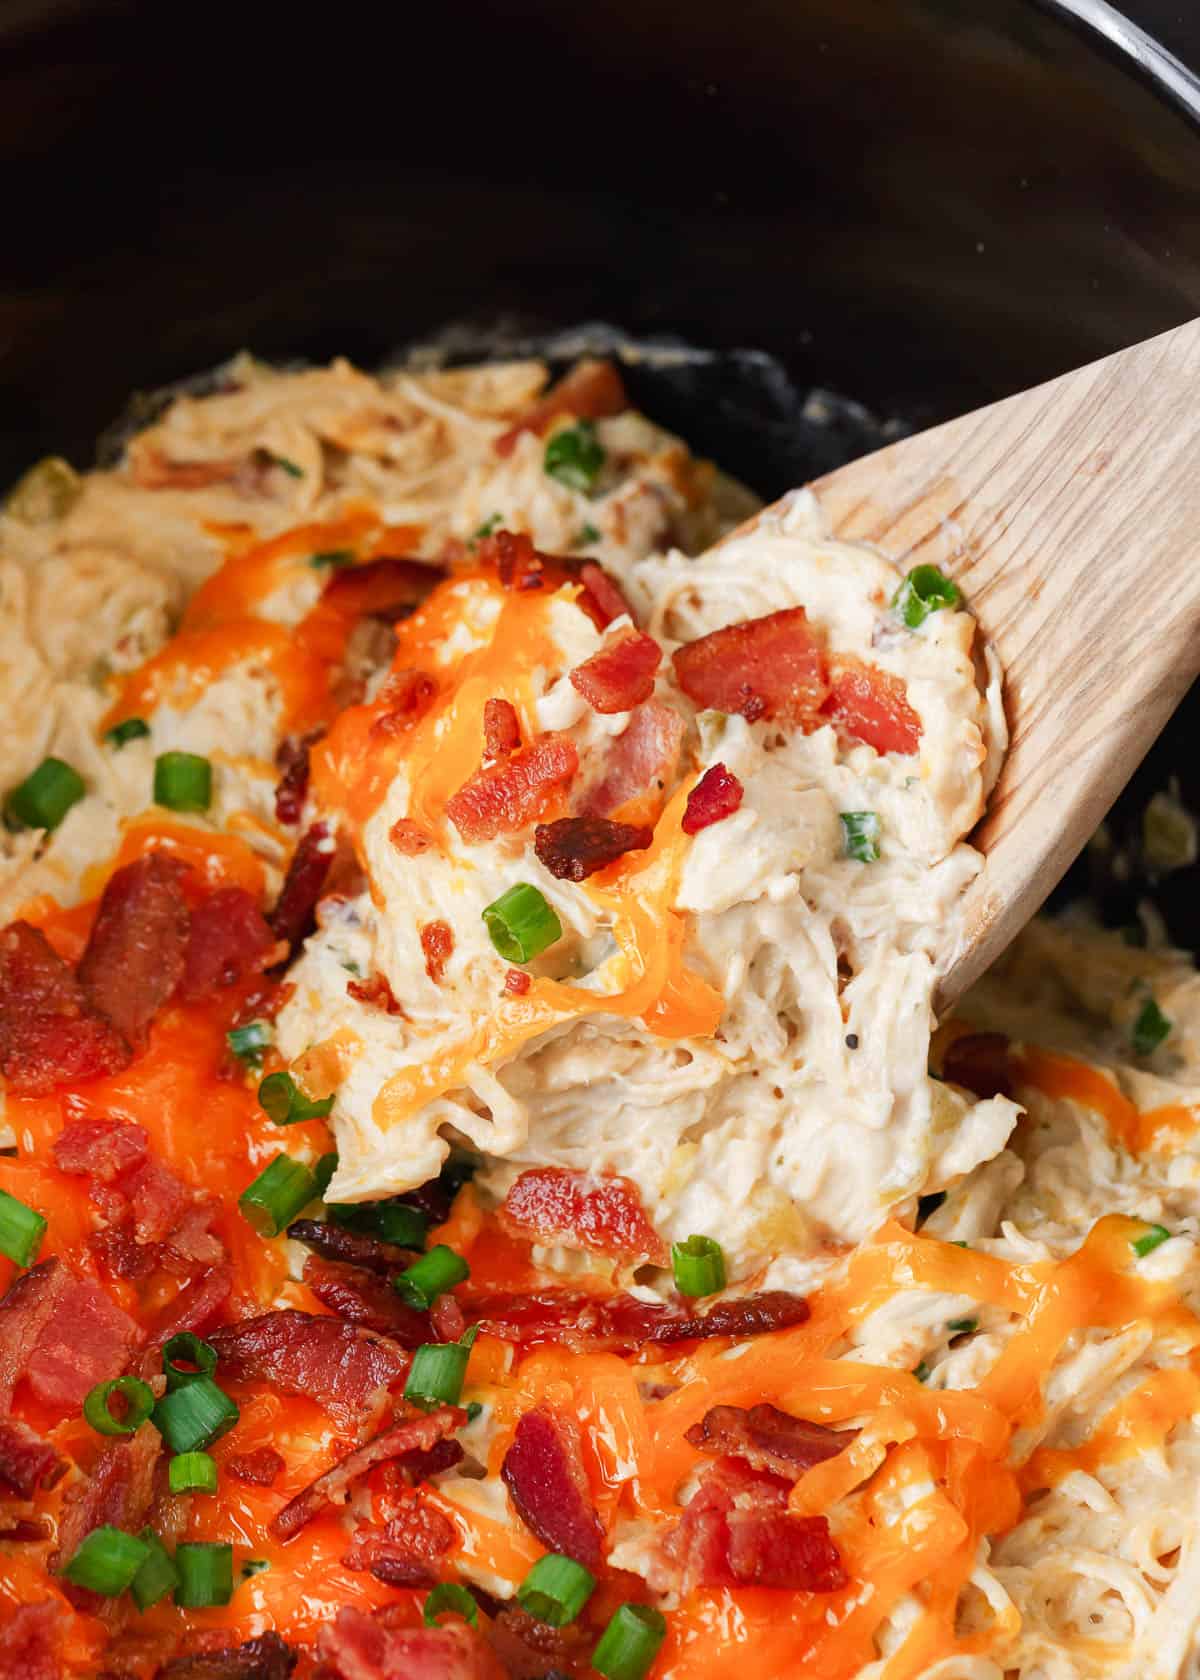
385 588
502 798
263 1658
29 1642
533 1650
643 756
416 1434
117 1493
544 1473
294 915
621 675
768 1439
437 947
361 1647
229 941
621 1324
120 1254
338 1242
63 1334
592 390
604 1214
872 706
26 1461
771 667
405 698
982 1062
419 1466
519 566
408 839
501 728
135 953
517 982
446 1318
133 1189
364 1299
375 993
793 1554
717 795
291 790
24 1531
343 1368
575 847
736 1531
405 1552
260 1467
50 1033
102 1150
602 599
194 1308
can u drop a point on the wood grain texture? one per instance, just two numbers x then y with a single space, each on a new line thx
1070 517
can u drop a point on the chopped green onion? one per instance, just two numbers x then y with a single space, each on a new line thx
192 1472
922 1371
699 1266
195 1415
254 1566
139 1403
575 456
925 590
490 524
157 1576
963 1326
435 1377
1150 1239
929 1204
285 1103
630 1642
860 834
43 799
430 1276
333 558
277 1195
205 1574
1168 835
449 1596
281 461
132 729
187 1345
520 924
1150 1028
556 1589
21 1230
324 1170
958 1243
393 1222
107 1561
250 1043
45 493
182 781
474 1410
585 536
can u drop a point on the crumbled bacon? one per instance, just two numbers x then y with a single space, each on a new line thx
259 1468
602 600
643 757
421 1464
50 1032
767 1438
437 947
138 1194
29 1642
346 1370
194 1308
409 839
121 1255
532 1650
592 390
26 1461
338 1242
229 941
376 993
717 795
503 797
102 1150
579 1210
519 566
293 917
501 728
23 1531
152 470
63 1334
872 705
575 847
292 761
983 1063
417 1434
404 699
736 1531
621 675
621 1324
265 1657
517 982
361 1647
136 951
771 667
387 588
360 1297
406 1550
547 1482
117 1494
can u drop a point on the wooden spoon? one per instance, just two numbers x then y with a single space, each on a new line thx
1070 518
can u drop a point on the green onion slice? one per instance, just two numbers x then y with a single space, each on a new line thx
1152 1238
575 456
699 1266
132 729
324 1170
556 1589
432 1275
449 1596
157 1576
925 590
43 799
585 536
255 1566
251 1042
182 781
630 1642
21 1230
107 1561
285 1103
492 523
435 1377
187 1346
963 1326
393 1222
922 1371
277 1195
192 1472
860 835
333 558
192 1417
205 1574
139 1403
1150 1028
520 924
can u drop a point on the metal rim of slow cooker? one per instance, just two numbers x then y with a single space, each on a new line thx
1148 57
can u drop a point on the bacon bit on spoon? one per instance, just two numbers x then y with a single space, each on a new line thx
375 992
501 728
767 1438
982 1063
872 705
437 947
259 1468
229 940
408 839
771 667
717 795
62 1334
575 847
502 798
644 755
621 674
601 599
601 1213
294 915
26 1461
50 1032
405 1552
345 1369
544 1473
592 390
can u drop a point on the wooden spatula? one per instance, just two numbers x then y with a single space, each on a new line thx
1070 518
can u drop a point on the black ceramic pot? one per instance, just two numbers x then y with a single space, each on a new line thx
921 204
